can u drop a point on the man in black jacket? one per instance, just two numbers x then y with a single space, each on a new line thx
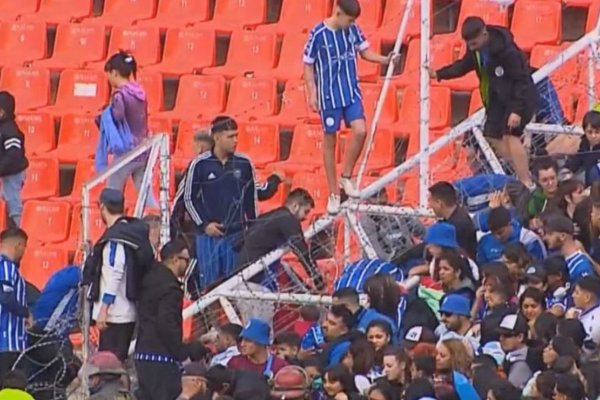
159 348
13 161
507 90
281 226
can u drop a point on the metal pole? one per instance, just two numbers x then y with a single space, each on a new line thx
488 152
363 239
85 305
347 239
146 184
384 90
424 103
165 181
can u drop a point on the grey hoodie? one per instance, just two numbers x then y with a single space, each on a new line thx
129 103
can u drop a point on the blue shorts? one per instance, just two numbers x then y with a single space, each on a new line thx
332 119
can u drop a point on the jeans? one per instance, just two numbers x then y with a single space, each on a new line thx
11 193
135 169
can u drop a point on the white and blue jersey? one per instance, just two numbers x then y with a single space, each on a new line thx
333 53
13 308
578 265
356 274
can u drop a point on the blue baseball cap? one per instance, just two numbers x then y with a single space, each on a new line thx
257 331
455 304
442 234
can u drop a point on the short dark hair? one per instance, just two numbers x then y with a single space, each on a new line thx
555 265
172 249
472 27
310 312
14 379
287 338
591 118
340 311
123 62
590 284
203 137
347 293
13 233
570 385
300 196
445 192
232 330
543 164
498 218
223 123
504 390
350 7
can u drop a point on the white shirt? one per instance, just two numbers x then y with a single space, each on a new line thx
590 320
223 357
113 282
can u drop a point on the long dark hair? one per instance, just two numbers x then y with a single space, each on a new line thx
339 373
384 294
363 356
124 63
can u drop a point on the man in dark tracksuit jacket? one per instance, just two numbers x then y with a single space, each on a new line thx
13 161
507 90
220 197
159 348
279 227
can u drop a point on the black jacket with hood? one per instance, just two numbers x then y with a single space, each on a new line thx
12 140
132 233
510 82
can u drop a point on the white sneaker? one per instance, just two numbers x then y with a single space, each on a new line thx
349 188
333 204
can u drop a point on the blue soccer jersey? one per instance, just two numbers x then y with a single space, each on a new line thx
13 308
579 266
334 55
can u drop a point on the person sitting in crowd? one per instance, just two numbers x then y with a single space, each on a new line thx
242 384
504 231
586 298
337 331
193 382
518 361
107 378
545 196
588 154
227 344
455 313
287 345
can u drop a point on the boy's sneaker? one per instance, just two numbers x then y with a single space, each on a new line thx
349 187
333 204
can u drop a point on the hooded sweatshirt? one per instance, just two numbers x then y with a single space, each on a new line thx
130 104
12 140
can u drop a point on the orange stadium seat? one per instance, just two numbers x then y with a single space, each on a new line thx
80 91
10 10
578 3
40 263
184 152
290 64
178 13
75 45
2 215
394 10
153 86
60 11
41 180
440 114
38 128
22 42
187 50
85 170
490 12
306 153
252 97
592 18
368 71
198 96
370 95
316 184
97 228
545 16
77 138
230 15
249 51
294 106
567 73
159 124
124 12
29 85
46 221
142 41
298 16
381 155
442 50
260 142
370 15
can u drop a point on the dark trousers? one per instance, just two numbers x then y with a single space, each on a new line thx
7 361
116 338
158 381
216 258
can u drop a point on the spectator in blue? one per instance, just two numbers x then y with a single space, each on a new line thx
587 157
337 330
504 230
455 316
220 197
559 235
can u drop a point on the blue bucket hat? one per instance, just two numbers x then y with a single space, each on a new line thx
257 331
455 304
442 234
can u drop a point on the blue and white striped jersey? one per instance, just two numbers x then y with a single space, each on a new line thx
13 308
579 265
355 274
334 55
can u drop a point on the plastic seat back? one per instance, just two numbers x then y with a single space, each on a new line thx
307 144
188 49
252 97
316 185
46 221
200 89
259 141
41 180
545 16
252 50
82 90
176 13
240 12
142 41
40 263
85 171
60 11
10 10
491 13
153 86
370 95
29 85
38 128
22 42
78 134
76 44
440 115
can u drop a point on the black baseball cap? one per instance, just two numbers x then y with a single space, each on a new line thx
194 369
536 273
513 324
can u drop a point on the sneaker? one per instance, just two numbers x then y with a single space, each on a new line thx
348 187
333 204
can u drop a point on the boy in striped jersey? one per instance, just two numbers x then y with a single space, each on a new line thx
331 76
13 300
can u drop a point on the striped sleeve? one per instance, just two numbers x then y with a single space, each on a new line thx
361 41
310 49
113 270
191 191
